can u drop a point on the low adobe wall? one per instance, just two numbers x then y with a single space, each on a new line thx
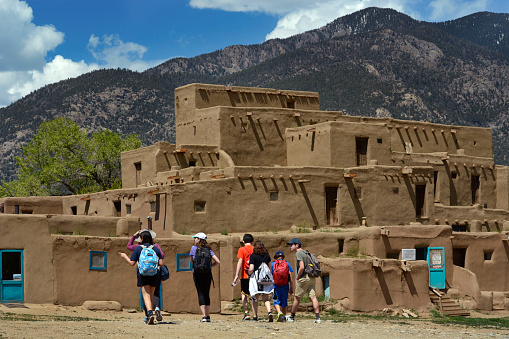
76 283
370 288
30 233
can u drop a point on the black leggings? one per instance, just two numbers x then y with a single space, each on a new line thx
202 282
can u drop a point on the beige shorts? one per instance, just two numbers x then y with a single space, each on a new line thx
305 285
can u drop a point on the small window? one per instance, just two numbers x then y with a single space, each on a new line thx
16 209
98 261
27 212
274 196
199 206
392 255
184 262
290 104
192 163
128 209
454 175
488 255
395 190
379 140
153 206
74 210
459 228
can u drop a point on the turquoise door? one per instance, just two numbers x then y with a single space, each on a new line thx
11 276
436 265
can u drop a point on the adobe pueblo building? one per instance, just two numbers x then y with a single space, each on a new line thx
391 207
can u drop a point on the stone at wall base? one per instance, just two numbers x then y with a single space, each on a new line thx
468 304
453 293
506 304
96 305
485 301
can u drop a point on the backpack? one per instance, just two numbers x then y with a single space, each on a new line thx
148 261
313 266
263 275
202 262
280 272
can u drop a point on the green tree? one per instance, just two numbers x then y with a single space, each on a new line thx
64 159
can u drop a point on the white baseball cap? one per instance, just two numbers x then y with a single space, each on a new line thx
152 233
200 235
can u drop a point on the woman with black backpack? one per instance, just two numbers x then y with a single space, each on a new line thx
203 260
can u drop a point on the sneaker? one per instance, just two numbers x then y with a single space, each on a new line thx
145 320
150 318
280 317
205 320
290 319
317 321
246 317
159 317
271 318
255 318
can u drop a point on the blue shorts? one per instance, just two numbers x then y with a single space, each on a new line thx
281 295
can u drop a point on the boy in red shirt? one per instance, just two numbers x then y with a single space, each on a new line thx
244 254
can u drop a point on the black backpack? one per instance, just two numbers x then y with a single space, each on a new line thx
202 262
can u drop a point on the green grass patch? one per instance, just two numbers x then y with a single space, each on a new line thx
499 323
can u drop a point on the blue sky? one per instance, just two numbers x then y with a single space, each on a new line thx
45 41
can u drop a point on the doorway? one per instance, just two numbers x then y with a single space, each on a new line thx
458 256
420 199
474 184
331 205
361 146
11 276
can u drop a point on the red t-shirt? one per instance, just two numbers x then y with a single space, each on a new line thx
244 253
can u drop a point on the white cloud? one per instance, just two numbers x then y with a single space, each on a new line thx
23 45
111 52
298 16
453 9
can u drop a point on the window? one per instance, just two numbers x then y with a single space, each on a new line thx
458 256
274 196
184 262
395 190
192 163
361 145
118 208
74 210
392 255
474 185
137 166
199 206
128 209
98 261
454 175
379 140
153 206
290 104
420 201
488 255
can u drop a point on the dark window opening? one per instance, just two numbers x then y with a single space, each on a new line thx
459 228
454 175
128 209
27 212
16 209
274 196
153 206
341 244
421 253
395 190
87 207
290 104
192 163
158 207
118 208
488 255
11 265
392 255
474 185
435 187
74 210
379 140
361 145
420 199
458 256
199 206
331 205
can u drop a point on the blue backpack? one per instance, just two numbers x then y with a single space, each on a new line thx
148 261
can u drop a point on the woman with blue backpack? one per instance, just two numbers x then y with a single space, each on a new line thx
149 260
203 259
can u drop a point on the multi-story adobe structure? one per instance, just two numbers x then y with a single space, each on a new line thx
263 161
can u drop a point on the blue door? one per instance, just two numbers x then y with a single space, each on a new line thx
436 264
11 276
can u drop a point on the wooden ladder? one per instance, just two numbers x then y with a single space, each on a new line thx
446 305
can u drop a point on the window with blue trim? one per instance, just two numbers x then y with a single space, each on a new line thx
184 262
98 261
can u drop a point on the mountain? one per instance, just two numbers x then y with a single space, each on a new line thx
375 62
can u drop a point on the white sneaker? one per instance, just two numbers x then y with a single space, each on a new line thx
317 321
290 319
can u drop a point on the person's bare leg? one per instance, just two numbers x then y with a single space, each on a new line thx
316 305
295 305
255 305
207 310
266 301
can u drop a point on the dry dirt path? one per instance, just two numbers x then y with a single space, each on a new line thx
128 325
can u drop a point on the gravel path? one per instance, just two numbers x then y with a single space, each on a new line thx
122 324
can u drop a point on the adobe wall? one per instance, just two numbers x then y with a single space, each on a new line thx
198 96
96 226
32 205
31 234
153 159
370 288
475 217
492 274
502 176
118 282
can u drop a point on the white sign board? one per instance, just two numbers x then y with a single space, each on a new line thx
408 254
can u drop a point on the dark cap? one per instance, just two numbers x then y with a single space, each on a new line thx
279 253
294 241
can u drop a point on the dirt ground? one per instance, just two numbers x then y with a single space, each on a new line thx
57 322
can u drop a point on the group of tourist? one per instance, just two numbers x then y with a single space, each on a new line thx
253 267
